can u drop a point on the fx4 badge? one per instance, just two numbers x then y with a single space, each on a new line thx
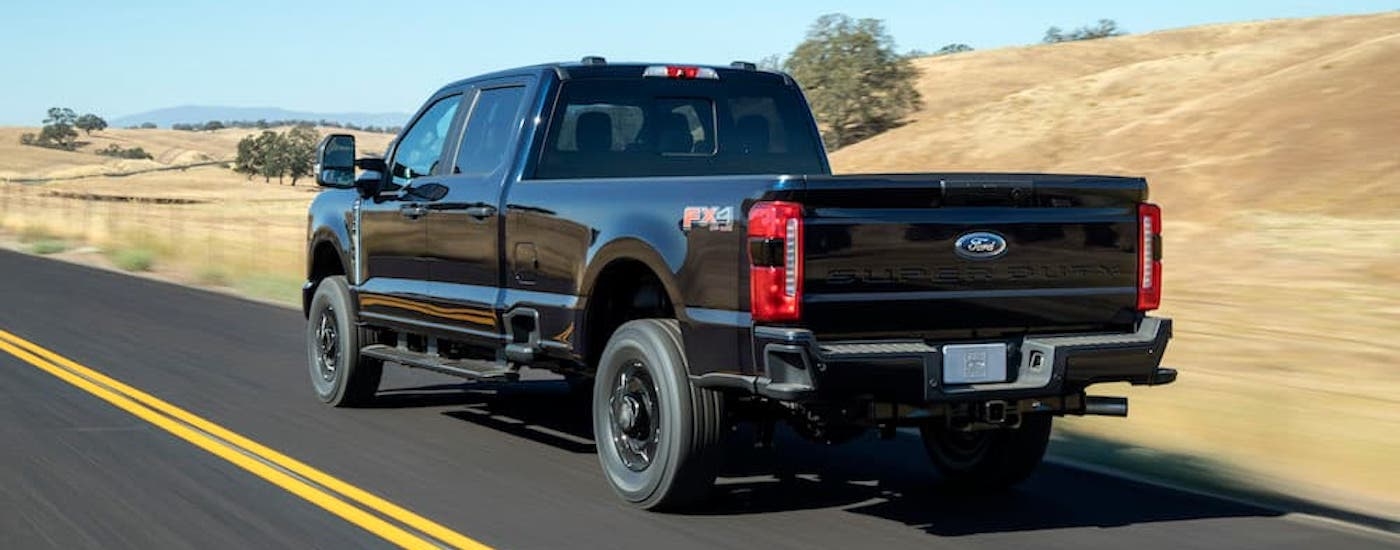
716 218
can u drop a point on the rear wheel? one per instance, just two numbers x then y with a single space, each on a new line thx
339 374
990 459
658 436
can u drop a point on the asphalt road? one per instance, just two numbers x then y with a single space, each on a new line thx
509 466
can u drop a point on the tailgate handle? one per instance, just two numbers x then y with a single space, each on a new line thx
987 193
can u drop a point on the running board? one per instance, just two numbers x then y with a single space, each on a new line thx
465 368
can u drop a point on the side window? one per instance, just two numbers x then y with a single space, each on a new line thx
420 148
486 141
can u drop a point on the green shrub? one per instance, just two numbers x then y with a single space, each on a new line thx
1105 28
48 246
277 288
951 49
117 151
133 259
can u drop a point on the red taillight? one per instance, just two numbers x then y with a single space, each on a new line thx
775 261
1149 257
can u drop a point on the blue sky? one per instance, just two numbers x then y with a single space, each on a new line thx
123 57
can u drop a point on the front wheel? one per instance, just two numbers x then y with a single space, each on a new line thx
658 435
339 374
990 459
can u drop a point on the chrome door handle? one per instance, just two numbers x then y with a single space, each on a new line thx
481 212
413 211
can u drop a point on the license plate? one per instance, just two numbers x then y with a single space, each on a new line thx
974 363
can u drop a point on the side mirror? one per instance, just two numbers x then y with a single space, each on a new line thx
335 161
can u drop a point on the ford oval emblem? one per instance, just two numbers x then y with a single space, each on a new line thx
981 245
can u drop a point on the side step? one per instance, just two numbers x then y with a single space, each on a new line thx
466 368
520 353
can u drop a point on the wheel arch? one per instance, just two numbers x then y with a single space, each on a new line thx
325 258
626 280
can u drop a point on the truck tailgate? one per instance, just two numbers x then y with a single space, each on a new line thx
960 256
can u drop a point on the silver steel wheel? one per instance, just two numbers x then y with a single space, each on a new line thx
635 415
327 345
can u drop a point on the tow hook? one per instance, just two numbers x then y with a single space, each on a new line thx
988 415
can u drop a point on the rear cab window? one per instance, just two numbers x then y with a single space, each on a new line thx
637 127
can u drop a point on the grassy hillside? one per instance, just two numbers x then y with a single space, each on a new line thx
169 147
1274 148
1295 115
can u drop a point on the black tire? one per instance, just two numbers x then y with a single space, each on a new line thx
664 454
340 376
988 460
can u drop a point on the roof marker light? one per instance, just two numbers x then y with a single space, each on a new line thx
680 72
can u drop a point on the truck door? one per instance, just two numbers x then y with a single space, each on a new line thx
393 231
464 256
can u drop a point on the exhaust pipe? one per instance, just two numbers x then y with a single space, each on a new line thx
1106 406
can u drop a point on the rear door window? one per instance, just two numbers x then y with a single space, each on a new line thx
487 138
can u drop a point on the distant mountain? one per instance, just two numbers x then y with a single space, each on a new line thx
204 113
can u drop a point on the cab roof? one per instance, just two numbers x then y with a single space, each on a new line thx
593 67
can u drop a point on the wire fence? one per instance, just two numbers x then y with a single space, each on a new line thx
253 244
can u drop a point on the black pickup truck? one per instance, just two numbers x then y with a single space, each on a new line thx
672 239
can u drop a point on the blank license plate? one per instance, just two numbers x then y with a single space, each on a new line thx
974 363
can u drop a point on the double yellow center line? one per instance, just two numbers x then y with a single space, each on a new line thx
374 514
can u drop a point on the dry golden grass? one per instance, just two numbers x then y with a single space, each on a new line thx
1295 114
237 230
1274 148
234 230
